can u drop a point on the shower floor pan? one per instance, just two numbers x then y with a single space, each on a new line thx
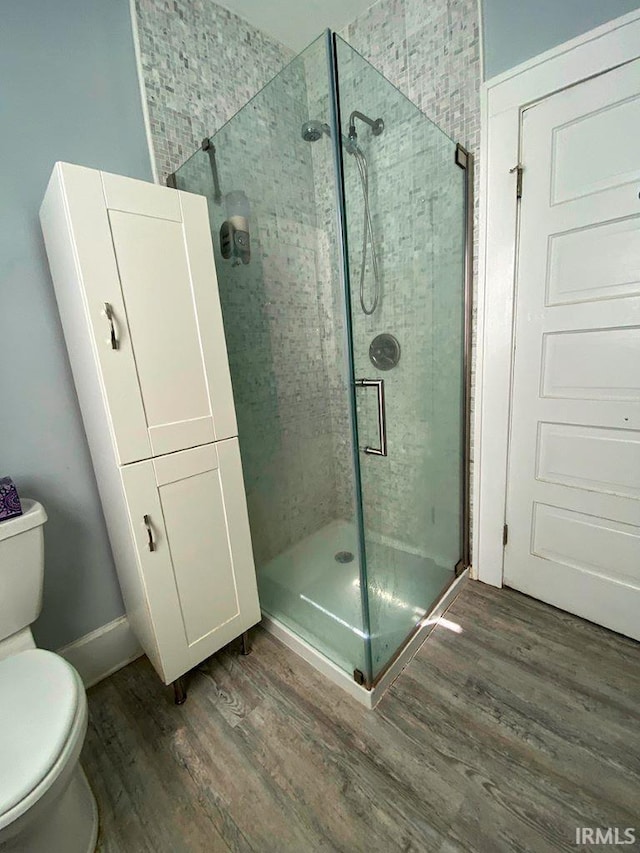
310 598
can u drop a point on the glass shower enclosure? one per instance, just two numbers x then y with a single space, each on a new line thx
339 216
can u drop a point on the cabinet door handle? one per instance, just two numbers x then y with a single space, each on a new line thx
108 313
147 523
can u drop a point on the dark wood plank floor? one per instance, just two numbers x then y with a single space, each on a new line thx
513 725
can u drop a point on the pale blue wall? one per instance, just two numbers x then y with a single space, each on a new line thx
68 91
515 30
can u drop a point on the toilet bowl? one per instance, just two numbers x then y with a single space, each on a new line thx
46 805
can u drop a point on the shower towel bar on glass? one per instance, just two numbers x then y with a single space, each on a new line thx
382 417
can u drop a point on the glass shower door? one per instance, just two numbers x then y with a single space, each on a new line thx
405 232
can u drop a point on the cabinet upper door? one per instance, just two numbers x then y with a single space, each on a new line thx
155 312
189 521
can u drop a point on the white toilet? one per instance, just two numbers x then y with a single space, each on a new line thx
46 805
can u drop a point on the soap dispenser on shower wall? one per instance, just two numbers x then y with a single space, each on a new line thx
234 232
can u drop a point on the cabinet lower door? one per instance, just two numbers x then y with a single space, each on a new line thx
189 521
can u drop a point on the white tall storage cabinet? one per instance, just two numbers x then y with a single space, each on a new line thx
134 275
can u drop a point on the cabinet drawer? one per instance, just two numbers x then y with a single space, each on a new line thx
189 522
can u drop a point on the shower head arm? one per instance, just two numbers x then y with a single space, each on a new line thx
376 125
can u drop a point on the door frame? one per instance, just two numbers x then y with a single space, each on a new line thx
502 100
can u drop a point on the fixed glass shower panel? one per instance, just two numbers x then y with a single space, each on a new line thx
405 230
269 177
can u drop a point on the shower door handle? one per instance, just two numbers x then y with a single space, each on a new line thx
382 416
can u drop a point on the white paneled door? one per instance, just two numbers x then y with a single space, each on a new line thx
573 496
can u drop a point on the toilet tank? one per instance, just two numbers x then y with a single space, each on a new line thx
21 568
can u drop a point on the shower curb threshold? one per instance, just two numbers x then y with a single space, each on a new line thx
368 698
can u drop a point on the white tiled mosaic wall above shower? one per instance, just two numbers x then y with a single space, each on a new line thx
200 64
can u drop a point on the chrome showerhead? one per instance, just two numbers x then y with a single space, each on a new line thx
312 130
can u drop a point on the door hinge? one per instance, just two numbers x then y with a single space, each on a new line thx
461 156
358 677
505 535
519 169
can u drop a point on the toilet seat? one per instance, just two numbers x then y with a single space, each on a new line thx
43 718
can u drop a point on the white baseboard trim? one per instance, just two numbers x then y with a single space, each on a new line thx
103 651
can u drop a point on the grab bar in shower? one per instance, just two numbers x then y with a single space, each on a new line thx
382 417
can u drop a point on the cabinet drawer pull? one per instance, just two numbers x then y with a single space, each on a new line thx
147 524
108 313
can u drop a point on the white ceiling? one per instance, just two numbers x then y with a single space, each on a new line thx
296 23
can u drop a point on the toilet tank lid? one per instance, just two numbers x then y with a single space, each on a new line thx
39 699
33 514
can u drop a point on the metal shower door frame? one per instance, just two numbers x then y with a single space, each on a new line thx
465 160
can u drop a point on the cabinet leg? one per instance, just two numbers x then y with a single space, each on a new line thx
179 691
245 643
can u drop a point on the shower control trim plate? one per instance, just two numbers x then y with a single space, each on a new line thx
384 351
382 417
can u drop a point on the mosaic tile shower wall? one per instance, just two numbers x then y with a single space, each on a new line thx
430 50
276 314
411 498
200 64
431 53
